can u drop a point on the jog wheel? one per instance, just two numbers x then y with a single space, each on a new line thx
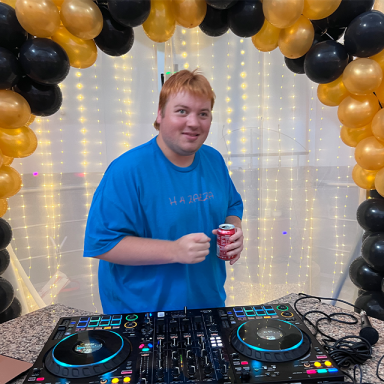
270 340
87 354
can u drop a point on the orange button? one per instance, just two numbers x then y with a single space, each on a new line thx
317 364
328 363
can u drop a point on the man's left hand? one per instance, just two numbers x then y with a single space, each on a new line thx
236 245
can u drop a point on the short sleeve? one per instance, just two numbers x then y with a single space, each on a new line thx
114 213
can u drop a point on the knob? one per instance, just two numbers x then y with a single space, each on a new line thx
206 360
245 375
224 369
174 343
191 370
190 356
160 372
174 355
188 342
175 371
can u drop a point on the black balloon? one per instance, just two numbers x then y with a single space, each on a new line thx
366 234
114 39
130 13
6 294
334 33
246 18
5 260
12 312
297 65
347 11
12 35
373 251
363 276
44 61
372 303
221 4
325 61
215 22
365 35
10 69
5 233
44 100
370 215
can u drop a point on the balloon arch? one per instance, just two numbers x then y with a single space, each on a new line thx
41 39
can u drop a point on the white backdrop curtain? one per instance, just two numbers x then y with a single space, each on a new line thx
281 145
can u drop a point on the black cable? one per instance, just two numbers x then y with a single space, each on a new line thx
347 351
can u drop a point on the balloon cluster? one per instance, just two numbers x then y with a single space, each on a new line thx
10 306
367 271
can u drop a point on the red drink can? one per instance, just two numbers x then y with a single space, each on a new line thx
224 232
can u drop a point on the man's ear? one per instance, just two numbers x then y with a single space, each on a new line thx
159 116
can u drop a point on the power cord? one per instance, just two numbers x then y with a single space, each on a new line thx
347 351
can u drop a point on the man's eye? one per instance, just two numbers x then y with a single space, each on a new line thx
181 111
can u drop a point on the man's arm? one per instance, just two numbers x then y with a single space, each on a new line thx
189 249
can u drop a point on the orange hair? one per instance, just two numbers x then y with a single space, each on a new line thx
185 81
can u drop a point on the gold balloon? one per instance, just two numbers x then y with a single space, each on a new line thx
19 142
14 110
379 58
283 13
81 53
380 93
353 136
369 154
267 38
10 181
379 5
31 120
82 18
160 24
378 126
7 160
296 40
40 18
356 111
12 3
363 178
379 182
362 76
3 207
319 9
189 13
59 3
332 94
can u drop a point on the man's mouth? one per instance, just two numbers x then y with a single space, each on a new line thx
191 134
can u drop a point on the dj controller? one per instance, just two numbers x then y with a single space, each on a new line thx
252 344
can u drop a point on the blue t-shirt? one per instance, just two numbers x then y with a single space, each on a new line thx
143 194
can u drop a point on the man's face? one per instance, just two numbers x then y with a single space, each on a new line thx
185 124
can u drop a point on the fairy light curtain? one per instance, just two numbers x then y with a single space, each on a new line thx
285 156
281 145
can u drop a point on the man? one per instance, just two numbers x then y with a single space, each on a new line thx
155 214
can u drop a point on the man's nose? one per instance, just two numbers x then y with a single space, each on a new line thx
193 120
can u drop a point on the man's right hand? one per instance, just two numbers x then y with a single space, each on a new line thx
192 248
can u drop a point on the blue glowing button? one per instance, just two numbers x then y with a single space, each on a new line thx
93 323
271 313
84 319
258 308
229 313
95 318
115 322
104 323
145 349
247 308
250 313
117 317
150 345
260 313
332 370
73 322
268 307
321 371
82 324
238 309
239 314
106 318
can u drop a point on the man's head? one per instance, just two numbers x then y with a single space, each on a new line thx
184 116
185 82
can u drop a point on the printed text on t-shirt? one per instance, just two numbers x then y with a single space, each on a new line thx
192 198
